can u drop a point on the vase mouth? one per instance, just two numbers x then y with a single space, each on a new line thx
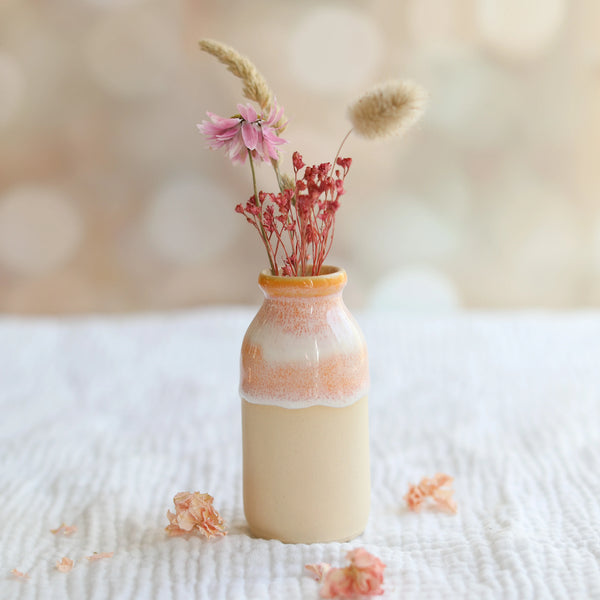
331 281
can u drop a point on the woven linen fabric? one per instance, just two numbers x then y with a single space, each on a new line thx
104 420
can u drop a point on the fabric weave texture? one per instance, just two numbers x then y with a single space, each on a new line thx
105 419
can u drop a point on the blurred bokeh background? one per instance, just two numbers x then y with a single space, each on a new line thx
110 201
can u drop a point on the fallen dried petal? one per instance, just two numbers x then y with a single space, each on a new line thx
64 529
64 565
318 570
20 575
443 498
429 485
438 488
195 513
363 577
99 555
414 497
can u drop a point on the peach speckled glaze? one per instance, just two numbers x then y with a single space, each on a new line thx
305 424
304 348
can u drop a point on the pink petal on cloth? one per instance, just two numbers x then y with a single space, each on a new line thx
250 135
363 577
185 521
438 488
99 555
194 512
337 584
318 570
414 497
64 565
19 574
64 529
443 498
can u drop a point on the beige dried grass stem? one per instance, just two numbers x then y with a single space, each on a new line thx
388 109
288 182
255 87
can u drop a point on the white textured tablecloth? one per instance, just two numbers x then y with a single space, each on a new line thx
103 420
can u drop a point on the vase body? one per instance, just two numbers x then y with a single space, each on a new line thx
304 382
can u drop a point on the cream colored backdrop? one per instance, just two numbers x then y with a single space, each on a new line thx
109 200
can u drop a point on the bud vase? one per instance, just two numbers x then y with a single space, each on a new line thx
304 382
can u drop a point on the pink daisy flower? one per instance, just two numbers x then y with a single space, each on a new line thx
248 131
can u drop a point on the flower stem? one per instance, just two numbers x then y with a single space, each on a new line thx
275 164
262 229
339 150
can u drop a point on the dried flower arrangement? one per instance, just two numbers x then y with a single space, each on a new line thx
296 224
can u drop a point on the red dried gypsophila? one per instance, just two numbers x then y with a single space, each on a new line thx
297 225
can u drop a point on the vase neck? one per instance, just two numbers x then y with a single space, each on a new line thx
331 282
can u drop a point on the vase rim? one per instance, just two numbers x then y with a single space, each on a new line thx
330 281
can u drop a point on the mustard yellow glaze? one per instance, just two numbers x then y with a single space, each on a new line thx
331 280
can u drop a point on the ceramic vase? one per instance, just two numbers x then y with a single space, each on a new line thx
304 384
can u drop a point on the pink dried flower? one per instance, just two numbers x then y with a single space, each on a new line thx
318 570
19 574
362 577
64 565
100 555
245 132
438 488
64 529
414 498
298 239
194 512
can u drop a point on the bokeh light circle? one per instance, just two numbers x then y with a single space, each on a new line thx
520 29
415 289
335 49
191 219
39 229
12 84
133 61
441 29
399 228
474 100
